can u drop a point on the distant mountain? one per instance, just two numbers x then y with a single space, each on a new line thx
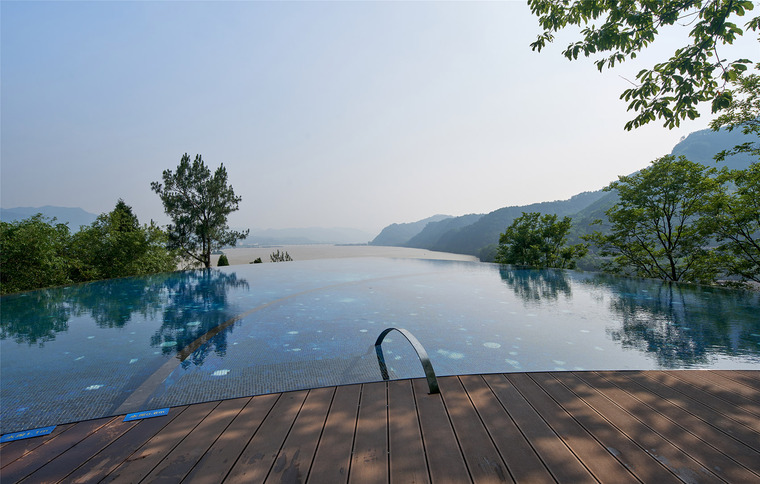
399 234
73 216
478 234
307 236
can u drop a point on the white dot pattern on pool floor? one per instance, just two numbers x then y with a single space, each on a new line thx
308 324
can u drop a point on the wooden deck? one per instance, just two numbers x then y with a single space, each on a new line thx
642 426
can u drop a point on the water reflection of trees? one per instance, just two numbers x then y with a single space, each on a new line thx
196 305
34 317
534 285
682 325
191 303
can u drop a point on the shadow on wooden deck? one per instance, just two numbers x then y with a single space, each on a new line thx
626 426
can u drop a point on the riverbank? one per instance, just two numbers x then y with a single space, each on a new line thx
245 255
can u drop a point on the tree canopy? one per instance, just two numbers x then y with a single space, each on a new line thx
538 241
198 204
658 228
617 31
37 252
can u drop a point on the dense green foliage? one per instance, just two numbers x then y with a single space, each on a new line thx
115 245
658 227
37 253
33 253
280 256
538 241
617 31
223 261
198 204
734 219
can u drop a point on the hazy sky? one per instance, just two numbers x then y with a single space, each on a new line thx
325 114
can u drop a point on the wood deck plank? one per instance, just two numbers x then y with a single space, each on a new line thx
406 450
749 378
294 459
709 434
52 448
257 458
445 460
369 463
482 458
561 462
521 460
99 465
665 451
216 463
710 458
139 464
178 463
738 395
594 456
539 427
705 397
716 418
642 464
69 461
333 456
10 451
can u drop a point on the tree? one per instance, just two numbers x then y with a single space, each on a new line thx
223 261
198 204
33 254
658 228
735 220
115 245
670 90
539 241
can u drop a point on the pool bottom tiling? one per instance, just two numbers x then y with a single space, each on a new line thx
128 345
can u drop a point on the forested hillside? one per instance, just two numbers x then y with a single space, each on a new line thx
479 234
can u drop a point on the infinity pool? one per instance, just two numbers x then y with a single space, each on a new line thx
127 345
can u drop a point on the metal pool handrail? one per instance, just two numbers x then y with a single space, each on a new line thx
421 354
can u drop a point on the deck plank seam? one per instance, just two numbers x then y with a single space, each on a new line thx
707 421
321 434
419 427
617 427
702 403
559 437
176 444
654 432
102 449
585 429
730 376
32 447
72 445
353 437
517 426
718 395
485 427
662 415
456 436
387 432
253 434
287 434
211 445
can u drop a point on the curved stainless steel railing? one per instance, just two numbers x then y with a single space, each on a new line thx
421 354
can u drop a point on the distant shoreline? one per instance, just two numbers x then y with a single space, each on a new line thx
245 255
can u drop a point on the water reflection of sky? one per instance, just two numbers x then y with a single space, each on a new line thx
141 343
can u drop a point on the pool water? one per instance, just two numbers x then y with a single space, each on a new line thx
134 344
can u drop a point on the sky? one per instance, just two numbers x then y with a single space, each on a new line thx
325 114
